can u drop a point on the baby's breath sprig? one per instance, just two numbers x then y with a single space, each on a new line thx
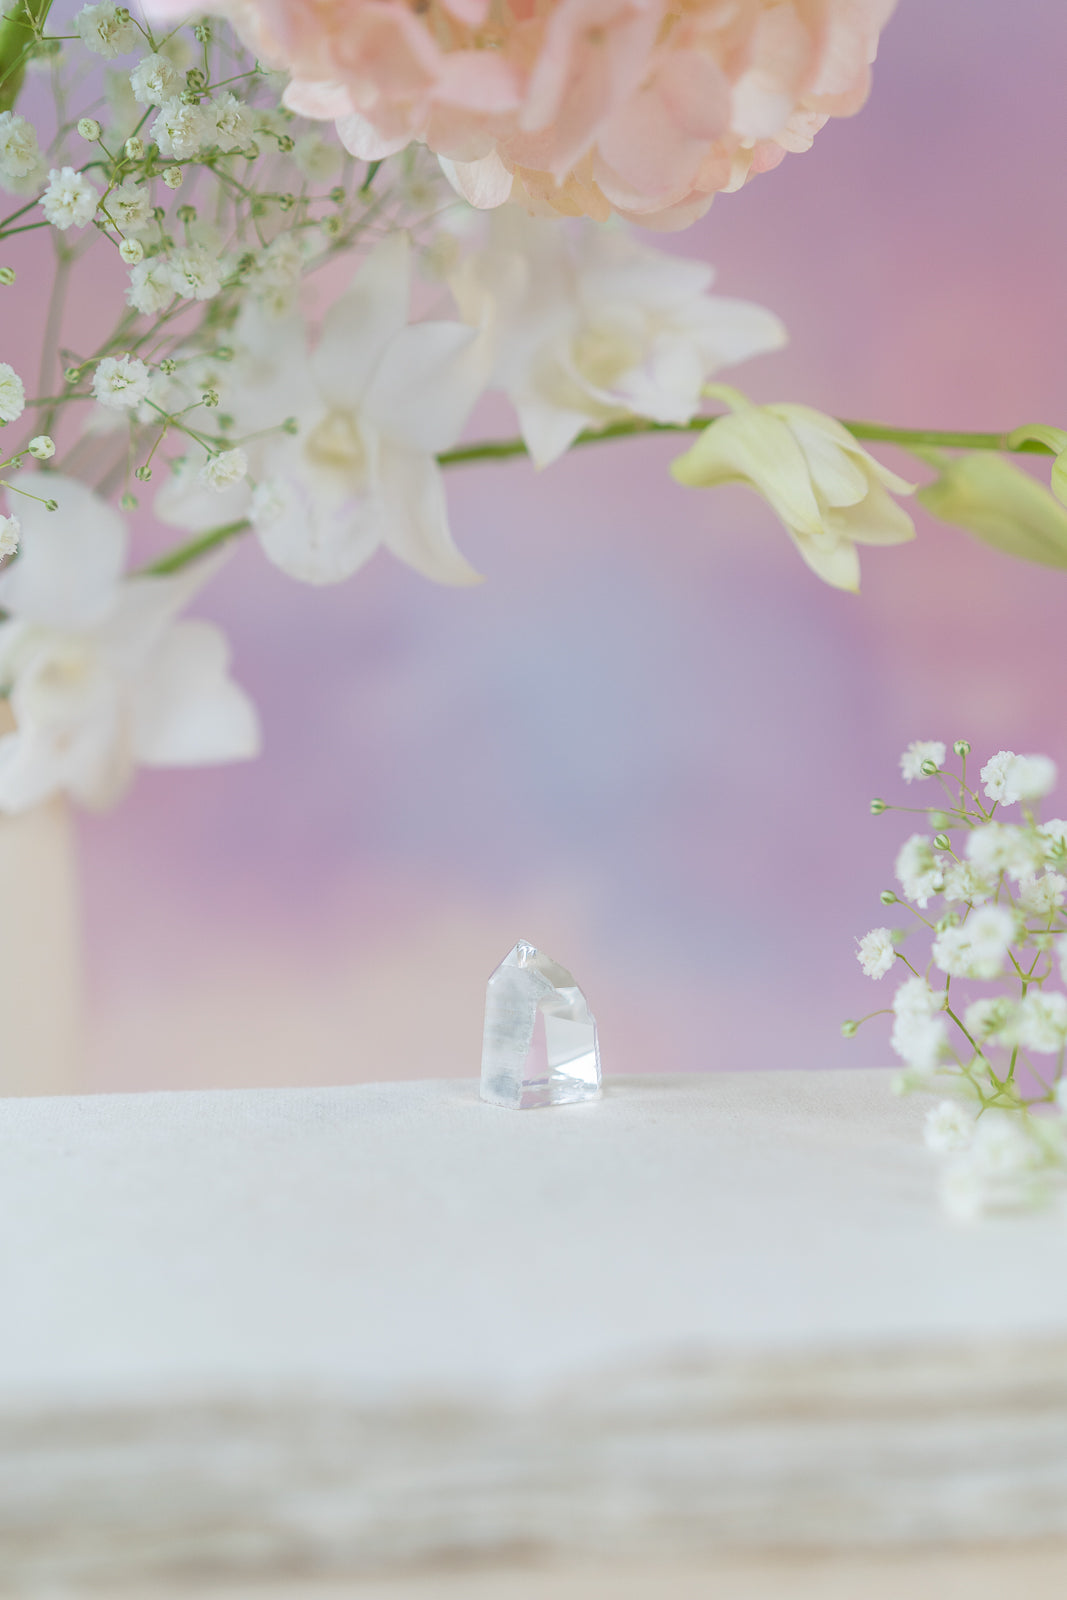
995 892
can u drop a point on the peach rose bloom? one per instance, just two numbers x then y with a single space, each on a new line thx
647 108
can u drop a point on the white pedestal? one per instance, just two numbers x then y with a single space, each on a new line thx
353 1332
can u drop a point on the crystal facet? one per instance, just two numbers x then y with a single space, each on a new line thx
540 1045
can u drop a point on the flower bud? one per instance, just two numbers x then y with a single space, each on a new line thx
143 474
196 78
286 142
1002 506
949 920
134 148
131 251
337 195
167 366
888 898
190 97
223 352
186 214
89 128
962 747
877 807
939 821
202 33
172 177
72 374
287 201
129 502
291 426
51 505
7 276
849 1030
210 397
42 447
929 769
942 841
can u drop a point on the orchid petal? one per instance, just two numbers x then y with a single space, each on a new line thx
416 518
316 531
426 383
360 325
70 560
186 709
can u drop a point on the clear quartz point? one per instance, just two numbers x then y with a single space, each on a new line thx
540 1046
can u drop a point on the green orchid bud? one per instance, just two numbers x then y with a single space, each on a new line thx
1000 505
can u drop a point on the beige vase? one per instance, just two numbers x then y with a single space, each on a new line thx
40 951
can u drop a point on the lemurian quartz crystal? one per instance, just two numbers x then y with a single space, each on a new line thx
540 1045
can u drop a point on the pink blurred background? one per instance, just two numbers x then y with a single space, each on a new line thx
647 743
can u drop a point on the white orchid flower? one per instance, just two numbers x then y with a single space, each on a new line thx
828 490
589 325
102 678
374 401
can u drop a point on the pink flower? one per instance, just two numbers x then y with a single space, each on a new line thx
644 107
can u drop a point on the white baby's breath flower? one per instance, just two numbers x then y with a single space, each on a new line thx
1008 777
993 1020
180 130
42 447
10 532
121 382
995 775
977 949
1054 837
107 30
920 1041
221 472
20 153
131 251
1001 847
70 200
195 273
1032 777
154 80
151 287
915 998
876 953
12 394
920 750
130 207
949 1126
230 122
918 1035
1001 1171
919 871
318 158
1043 1022
1039 896
964 883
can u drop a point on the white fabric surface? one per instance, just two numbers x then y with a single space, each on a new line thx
350 1327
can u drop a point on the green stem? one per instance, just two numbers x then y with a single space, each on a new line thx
182 554
509 449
